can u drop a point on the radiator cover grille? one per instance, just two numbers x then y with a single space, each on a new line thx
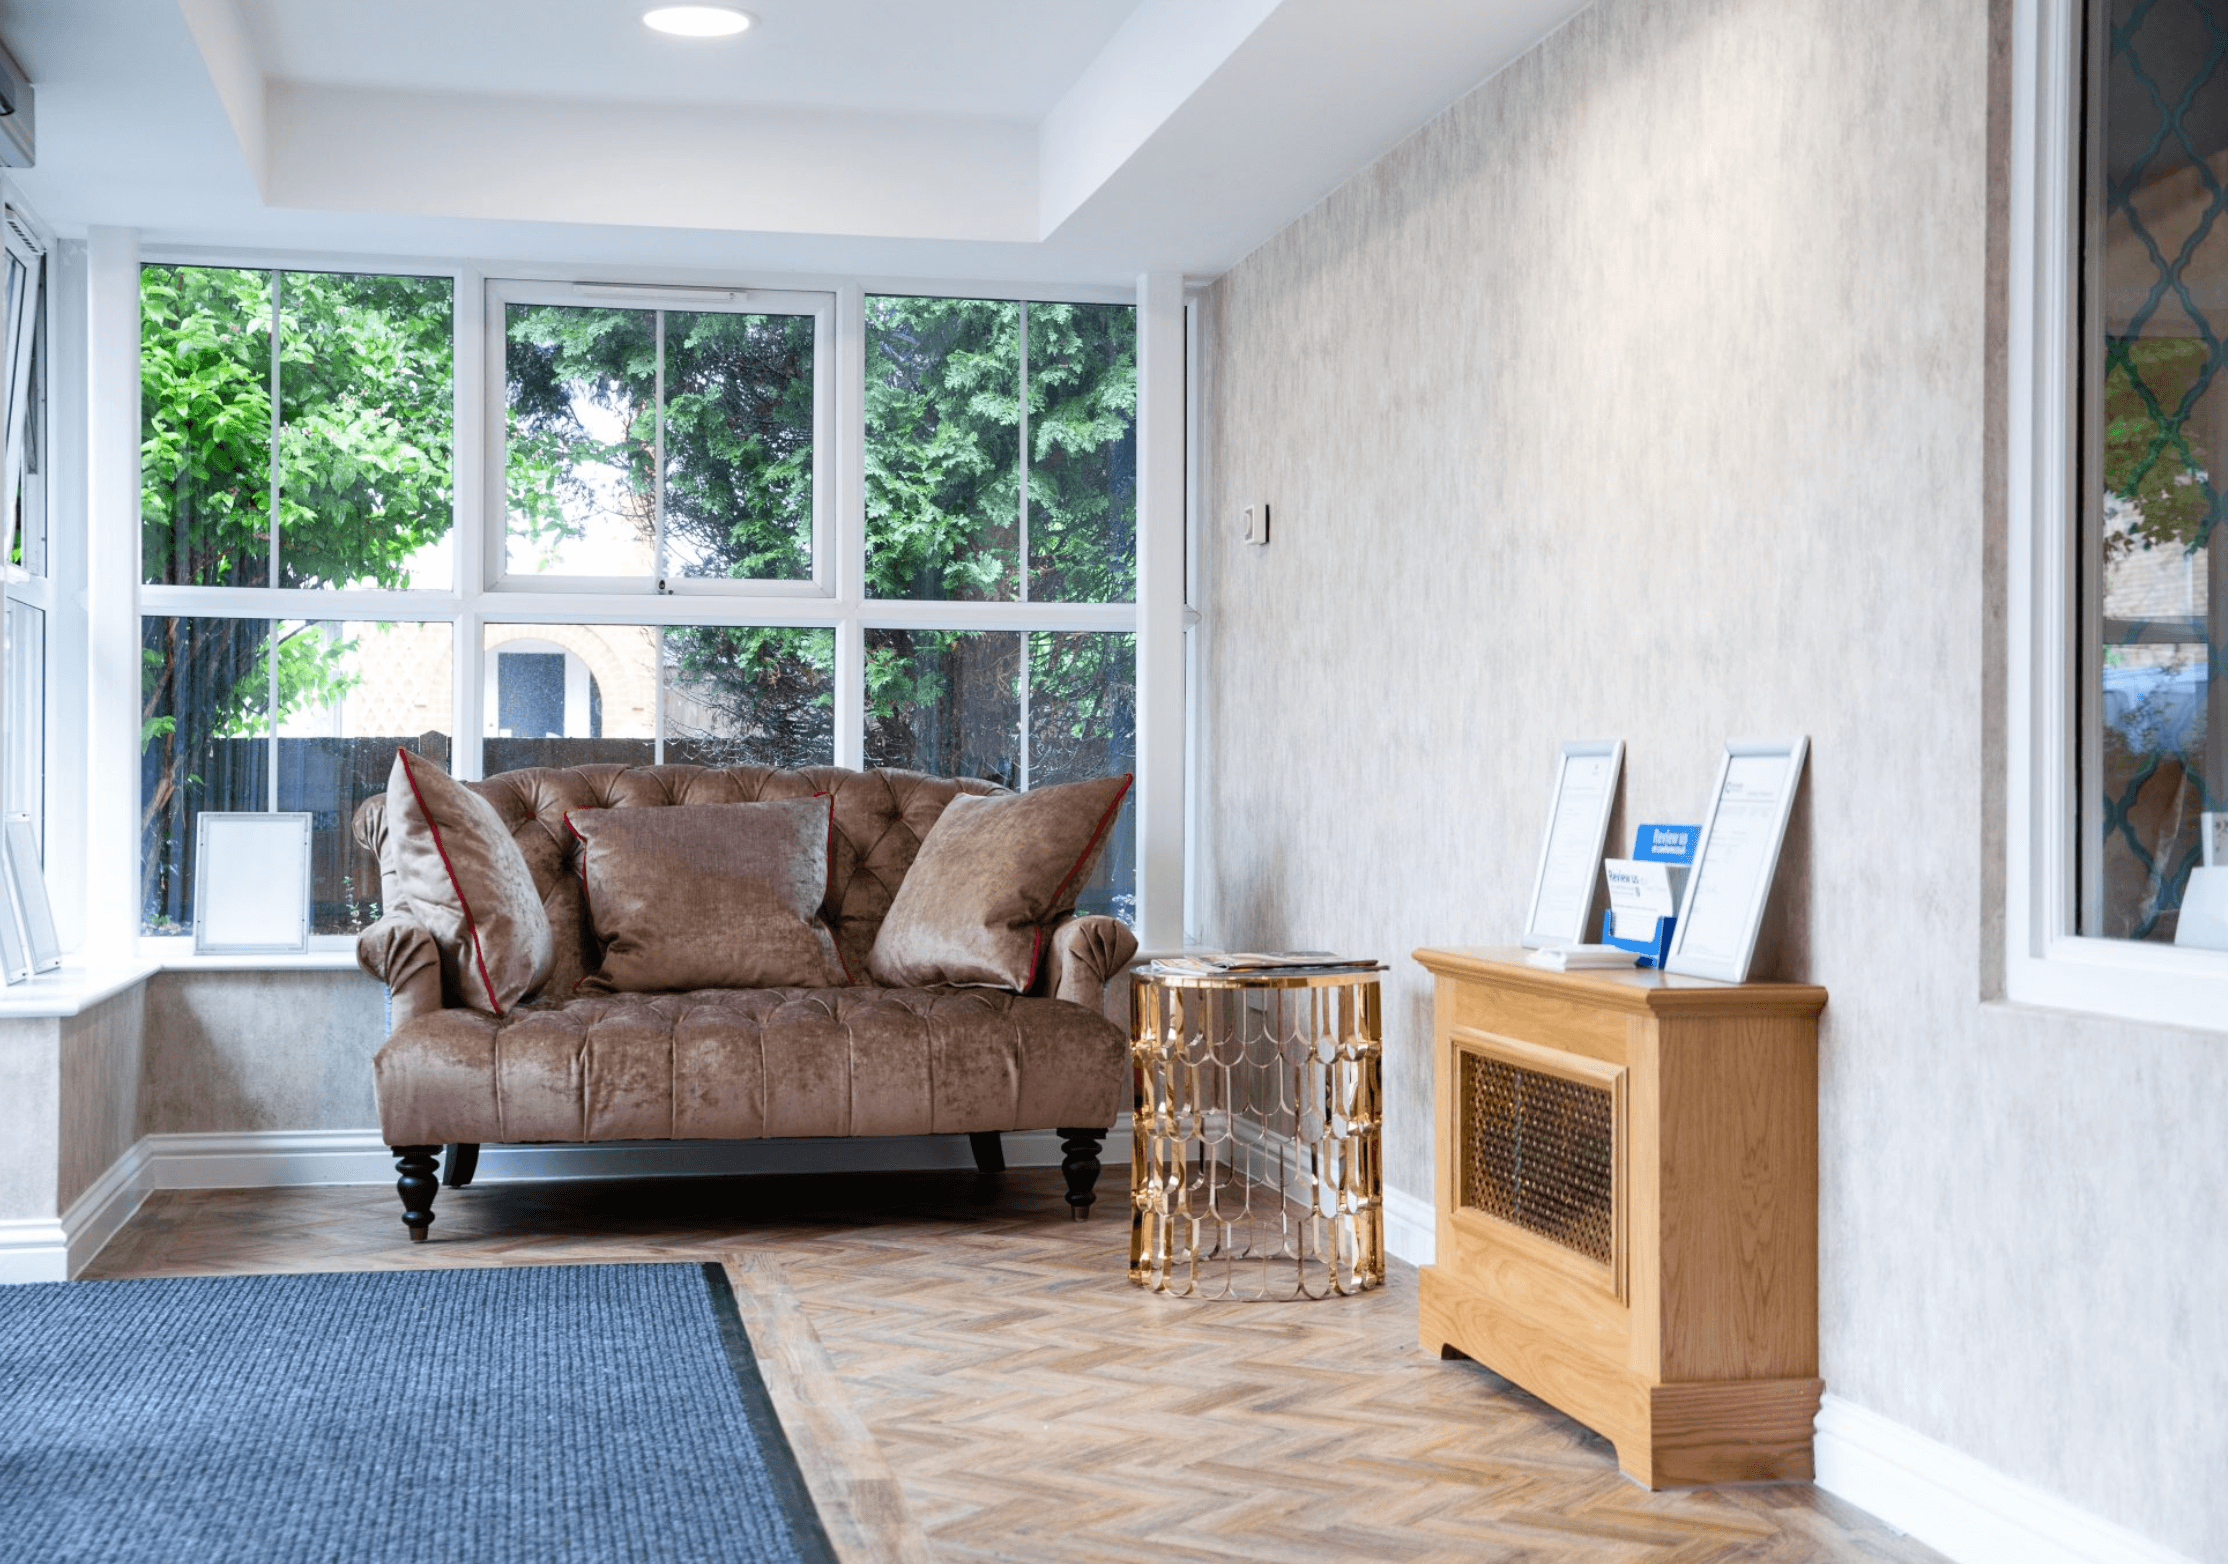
1539 1151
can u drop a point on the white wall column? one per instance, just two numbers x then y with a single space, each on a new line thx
1160 610
112 592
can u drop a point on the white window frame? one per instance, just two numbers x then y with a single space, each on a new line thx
2045 961
25 238
662 299
480 595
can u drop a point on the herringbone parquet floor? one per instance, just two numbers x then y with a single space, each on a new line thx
963 1336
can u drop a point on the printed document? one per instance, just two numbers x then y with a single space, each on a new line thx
1566 888
1731 880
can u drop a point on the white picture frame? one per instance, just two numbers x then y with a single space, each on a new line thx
27 885
1578 810
1736 857
251 883
15 952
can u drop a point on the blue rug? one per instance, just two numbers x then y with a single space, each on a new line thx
543 1413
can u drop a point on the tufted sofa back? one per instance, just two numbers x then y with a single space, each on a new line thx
880 818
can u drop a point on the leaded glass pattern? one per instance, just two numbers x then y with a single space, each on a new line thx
2155 719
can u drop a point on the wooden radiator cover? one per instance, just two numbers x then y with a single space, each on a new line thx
1627 1206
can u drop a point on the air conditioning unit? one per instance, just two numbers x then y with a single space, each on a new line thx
18 126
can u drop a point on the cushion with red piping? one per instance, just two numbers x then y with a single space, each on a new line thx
708 896
453 862
991 874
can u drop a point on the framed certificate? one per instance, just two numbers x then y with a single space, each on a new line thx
1577 826
251 883
1733 863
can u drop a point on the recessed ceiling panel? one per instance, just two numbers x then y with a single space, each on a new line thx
996 59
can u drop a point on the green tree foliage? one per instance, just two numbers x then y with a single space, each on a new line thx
363 384
944 474
946 391
365 484
2151 458
364 467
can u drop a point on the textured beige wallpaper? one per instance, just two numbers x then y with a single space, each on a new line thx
1642 395
103 1054
260 1051
30 1117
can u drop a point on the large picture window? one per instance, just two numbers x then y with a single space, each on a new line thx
2152 687
667 562
297 432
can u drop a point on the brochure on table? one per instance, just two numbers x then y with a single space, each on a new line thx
1585 788
1734 861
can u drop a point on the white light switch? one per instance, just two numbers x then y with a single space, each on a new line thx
1257 523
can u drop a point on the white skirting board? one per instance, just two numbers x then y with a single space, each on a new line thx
1411 1228
35 1251
1965 1510
32 1250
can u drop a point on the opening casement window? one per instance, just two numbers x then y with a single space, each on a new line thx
2119 488
695 525
29 594
668 438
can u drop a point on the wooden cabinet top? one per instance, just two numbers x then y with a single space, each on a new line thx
1640 990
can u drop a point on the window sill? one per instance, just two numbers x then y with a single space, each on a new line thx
327 953
2117 980
71 989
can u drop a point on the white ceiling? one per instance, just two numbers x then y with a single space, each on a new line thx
1078 141
994 59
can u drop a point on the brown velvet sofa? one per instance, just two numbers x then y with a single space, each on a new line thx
738 1064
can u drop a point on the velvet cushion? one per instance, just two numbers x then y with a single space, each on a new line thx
990 876
453 863
707 896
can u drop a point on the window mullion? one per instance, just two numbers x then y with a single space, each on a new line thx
1021 553
850 693
478 456
657 694
849 573
1021 550
657 472
270 636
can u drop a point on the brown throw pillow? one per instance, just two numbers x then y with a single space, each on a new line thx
990 875
455 865
686 896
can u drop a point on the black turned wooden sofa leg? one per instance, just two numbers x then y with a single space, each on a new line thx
417 1186
459 1161
1079 1160
989 1150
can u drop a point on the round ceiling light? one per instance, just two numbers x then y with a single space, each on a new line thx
697 21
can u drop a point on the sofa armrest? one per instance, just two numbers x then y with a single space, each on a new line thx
1087 954
399 951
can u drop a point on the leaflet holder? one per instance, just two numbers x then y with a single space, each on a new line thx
1672 844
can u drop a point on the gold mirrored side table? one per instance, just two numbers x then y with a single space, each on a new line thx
1257 1151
